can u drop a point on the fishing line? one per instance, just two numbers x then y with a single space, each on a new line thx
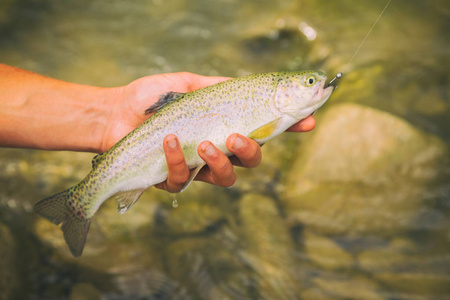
340 74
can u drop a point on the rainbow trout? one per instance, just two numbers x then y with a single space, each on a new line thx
258 106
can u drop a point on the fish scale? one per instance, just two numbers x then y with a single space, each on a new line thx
258 106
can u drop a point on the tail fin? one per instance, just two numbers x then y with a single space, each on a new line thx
57 210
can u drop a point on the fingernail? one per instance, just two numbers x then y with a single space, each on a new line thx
238 143
209 150
172 142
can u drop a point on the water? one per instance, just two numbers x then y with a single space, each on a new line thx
369 223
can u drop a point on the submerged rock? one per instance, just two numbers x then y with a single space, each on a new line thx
208 266
5 11
363 171
199 207
249 256
349 288
326 253
397 254
407 268
268 248
146 283
354 143
411 284
315 294
8 280
85 291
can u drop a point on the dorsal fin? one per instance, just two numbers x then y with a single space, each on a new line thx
97 159
164 99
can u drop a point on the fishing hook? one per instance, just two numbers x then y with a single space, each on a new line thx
335 80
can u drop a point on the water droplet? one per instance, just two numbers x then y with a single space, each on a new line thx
175 202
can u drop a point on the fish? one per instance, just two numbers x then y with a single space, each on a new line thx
259 106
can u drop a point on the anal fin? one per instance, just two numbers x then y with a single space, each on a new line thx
126 199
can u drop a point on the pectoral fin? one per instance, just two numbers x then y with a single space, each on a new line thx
164 99
126 199
265 131
192 176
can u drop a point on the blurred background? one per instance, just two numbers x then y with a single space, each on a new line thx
359 208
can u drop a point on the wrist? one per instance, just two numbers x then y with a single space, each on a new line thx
75 118
107 108
94 108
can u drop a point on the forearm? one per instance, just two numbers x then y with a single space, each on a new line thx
45 113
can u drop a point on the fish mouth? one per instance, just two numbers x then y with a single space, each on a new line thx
322 94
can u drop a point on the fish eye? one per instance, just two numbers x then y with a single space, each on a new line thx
310 80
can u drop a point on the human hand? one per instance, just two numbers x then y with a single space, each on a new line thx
127 113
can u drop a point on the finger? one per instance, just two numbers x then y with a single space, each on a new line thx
307 124
220 170
246 150
178 171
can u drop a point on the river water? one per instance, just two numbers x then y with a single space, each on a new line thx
381 231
